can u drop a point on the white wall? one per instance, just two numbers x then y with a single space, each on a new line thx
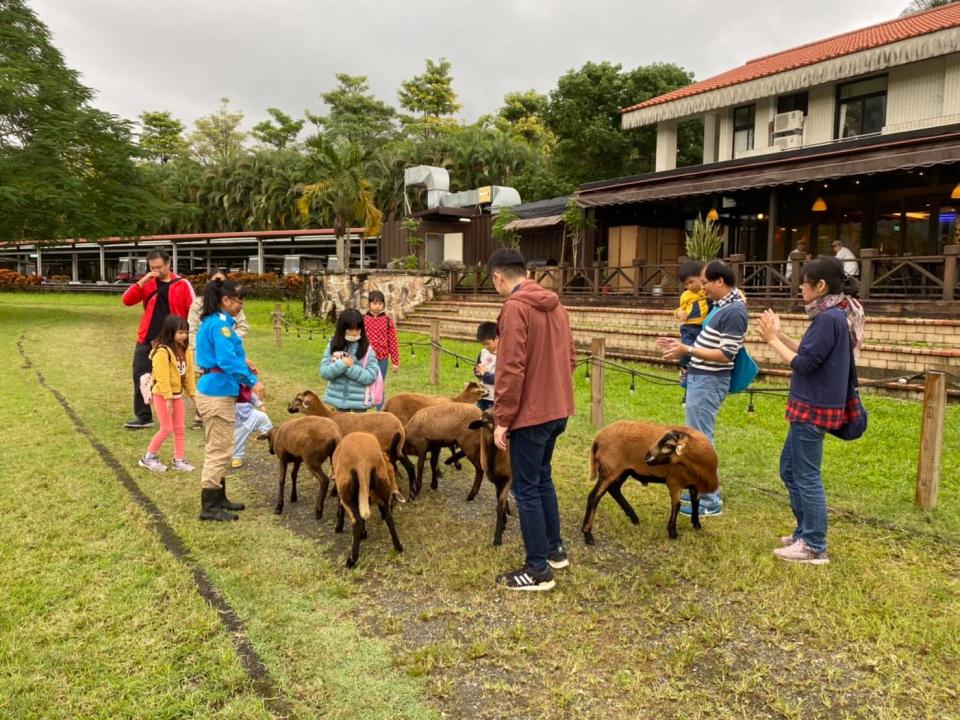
725 145
666 145
915 95
821 106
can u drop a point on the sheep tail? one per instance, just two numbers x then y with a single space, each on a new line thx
364 490
593 462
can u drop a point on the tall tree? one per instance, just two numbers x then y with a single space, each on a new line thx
218 137
161 136
431 94
280 132
355 114
341 195
66 168
524 113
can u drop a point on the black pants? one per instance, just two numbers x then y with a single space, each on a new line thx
141 365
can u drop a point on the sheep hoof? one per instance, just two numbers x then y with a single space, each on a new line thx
293 498
588 538
350 562
458 466
398 548
471 496
497 541
318 514
278 510
673 534
635 520
338 530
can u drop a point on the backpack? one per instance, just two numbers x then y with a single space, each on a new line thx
744 366
373 393
146 387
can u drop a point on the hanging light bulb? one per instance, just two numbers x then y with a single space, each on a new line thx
955 194
713 215
457 363
586 370
633 383
819 205
750 407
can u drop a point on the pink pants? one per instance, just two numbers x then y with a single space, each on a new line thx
170 413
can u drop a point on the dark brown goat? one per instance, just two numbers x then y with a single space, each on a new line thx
496 466
678 456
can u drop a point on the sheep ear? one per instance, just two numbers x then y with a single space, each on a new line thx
680 447
304 402
475 424
264 436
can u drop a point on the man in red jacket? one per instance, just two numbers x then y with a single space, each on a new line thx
533 397
162 293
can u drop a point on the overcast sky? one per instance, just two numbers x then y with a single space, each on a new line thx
184 55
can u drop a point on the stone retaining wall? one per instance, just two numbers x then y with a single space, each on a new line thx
327 294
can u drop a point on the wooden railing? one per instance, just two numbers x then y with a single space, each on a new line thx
930 277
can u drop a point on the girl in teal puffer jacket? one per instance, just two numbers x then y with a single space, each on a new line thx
349 364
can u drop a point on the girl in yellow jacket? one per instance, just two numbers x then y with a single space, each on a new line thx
172 378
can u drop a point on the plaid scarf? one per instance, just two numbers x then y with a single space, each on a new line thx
851 308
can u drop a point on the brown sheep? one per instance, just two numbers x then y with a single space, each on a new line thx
310 439
678 456
363 474
439 426
405 405
496 466
385 426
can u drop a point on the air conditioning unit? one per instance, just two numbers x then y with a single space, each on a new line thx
788 122
788 142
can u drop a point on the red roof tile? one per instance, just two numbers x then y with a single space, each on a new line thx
885 33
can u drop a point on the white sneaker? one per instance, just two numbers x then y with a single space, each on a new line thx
152 464
182 465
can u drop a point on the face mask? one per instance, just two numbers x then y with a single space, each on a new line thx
351 337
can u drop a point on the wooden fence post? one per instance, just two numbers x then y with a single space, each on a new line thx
598 350
736 262
951 255
435 352
276 324
931 439
868 258
796 260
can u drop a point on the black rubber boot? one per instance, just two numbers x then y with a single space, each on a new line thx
210 508
224 502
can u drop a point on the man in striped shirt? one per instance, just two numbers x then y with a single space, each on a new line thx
712 354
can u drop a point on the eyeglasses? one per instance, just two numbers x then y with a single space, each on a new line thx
237 300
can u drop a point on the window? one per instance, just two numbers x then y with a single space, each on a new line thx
861 107
789 103
743 123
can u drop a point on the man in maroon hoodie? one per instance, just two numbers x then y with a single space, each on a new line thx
533 397
162 293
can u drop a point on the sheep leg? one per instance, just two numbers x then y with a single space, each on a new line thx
338 528
674 511
694 507
477 479
502 508
293 480
434 451
358 534
593 499
456 456
421 457
322 495
616 492
283 481
411 474
388 519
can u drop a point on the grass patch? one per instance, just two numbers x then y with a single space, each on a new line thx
103 623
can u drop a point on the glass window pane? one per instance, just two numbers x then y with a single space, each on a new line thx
864 87
850 119
887 236
917 221
874 114
946 228
743 116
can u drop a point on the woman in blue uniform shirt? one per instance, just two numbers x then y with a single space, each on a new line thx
221 355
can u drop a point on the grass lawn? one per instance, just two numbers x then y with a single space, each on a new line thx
100 620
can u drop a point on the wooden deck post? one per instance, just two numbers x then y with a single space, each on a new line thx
598 350
435 352
736 261
931 439
951 253
868 258
276 324
638 267
476 279
796 262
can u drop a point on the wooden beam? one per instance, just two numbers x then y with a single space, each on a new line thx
598 352
931 439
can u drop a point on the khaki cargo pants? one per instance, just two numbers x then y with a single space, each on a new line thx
219 414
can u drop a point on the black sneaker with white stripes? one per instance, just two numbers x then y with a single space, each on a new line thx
523 579
558 559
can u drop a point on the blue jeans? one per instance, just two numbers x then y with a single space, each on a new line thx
705 394
688 336
800 463
257 422
484 404
384 364
531 450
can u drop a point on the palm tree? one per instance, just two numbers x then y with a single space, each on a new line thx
342 195
921 5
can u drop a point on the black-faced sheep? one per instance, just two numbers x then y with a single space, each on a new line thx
307 439
384 425
364 475
439 426
678 456
496 466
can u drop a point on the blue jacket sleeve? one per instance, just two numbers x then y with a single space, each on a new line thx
816 345
232 363
331 369
365 375
488 378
